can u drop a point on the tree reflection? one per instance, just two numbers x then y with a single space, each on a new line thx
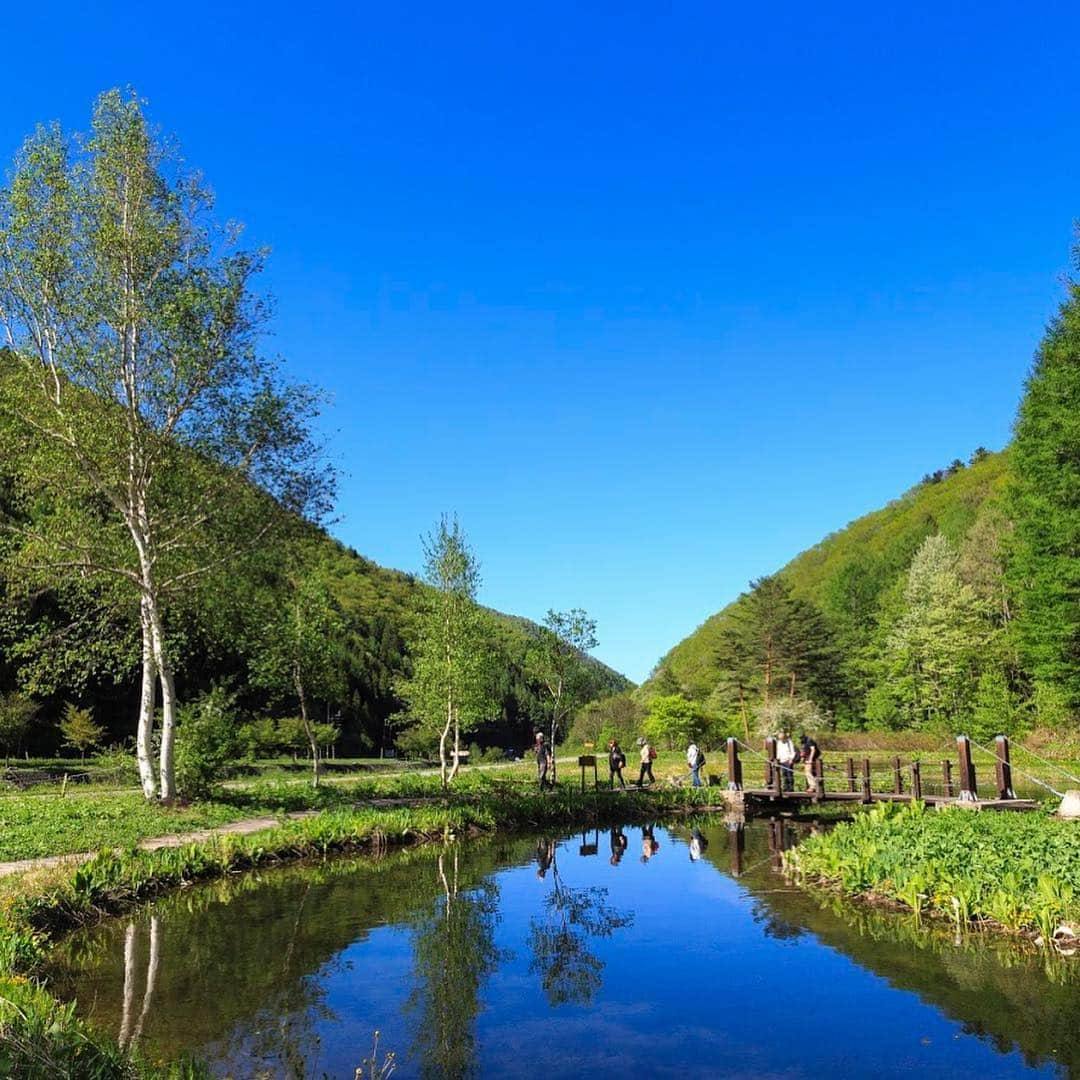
454 953
570 972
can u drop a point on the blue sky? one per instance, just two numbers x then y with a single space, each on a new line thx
652 296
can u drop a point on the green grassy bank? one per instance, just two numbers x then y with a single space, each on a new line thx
1008 871
41 1037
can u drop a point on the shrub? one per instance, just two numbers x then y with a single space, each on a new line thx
208 740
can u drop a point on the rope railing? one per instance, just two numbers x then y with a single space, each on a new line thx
1034 779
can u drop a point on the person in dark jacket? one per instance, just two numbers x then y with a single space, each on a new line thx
616 760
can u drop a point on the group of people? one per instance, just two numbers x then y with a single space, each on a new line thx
788 755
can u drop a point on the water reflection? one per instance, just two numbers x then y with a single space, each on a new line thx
454 954
674 957
561 938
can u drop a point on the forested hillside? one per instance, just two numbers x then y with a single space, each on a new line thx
77 645
824 631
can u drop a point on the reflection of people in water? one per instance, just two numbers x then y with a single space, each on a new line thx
618 846
649 844
545 855
698 844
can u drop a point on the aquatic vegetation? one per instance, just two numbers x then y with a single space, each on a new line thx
1020 871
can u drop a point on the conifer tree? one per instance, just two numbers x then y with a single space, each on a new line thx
1044 500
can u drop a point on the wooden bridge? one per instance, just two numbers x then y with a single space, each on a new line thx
861 781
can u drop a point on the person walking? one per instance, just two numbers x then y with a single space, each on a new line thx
619 845
694 760
649 844
543 760
785 756
648 756
616 760
811 752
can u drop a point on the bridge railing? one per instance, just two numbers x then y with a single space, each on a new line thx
867 780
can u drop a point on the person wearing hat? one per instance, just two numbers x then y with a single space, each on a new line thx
543 760
786 755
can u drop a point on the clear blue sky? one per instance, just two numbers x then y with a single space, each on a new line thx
653 296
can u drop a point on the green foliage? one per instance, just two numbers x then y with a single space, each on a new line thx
79 728
1022 870
17 711
1044 501
845 576
556 658
673 721
930 645
451 687
208 741
617 716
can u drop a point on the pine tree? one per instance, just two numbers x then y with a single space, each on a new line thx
1044 500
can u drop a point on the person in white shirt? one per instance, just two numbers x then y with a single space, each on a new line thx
693 761
786 755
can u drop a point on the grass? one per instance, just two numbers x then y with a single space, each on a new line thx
1016 872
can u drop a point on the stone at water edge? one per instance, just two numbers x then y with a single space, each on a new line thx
1070 806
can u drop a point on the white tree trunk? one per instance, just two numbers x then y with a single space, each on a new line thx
143 752
129 985
166 770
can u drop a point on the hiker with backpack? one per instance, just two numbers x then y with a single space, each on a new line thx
616 760
695 759
648 756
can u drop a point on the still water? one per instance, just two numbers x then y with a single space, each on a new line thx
654 952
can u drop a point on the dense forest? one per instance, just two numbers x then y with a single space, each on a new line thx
954 608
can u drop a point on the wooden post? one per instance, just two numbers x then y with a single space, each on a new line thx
1003 768
818 769
897 777
946 777
916 781
584 762
737 845
734 766
851 786
969 791
771 766
866 793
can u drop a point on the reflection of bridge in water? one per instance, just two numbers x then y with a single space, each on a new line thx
861 781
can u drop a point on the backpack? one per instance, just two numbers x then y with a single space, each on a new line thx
652 753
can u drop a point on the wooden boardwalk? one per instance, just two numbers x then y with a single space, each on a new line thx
899 781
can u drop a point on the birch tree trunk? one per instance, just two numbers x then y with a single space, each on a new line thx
143 749
166 770
309 731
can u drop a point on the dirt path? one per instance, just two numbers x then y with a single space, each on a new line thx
235 828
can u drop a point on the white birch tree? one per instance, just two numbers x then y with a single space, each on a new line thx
161 442
450 688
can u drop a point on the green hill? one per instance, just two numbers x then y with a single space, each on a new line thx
879 546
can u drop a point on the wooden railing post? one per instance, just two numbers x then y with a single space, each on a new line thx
772 769
851 774
734 766
818 769
867 794
897 777
969 791
946 778
916 781
736 846
1003 768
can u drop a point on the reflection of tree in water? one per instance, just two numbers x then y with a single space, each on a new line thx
288 1031
454 953
570 972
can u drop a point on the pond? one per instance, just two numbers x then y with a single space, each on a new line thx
653 951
